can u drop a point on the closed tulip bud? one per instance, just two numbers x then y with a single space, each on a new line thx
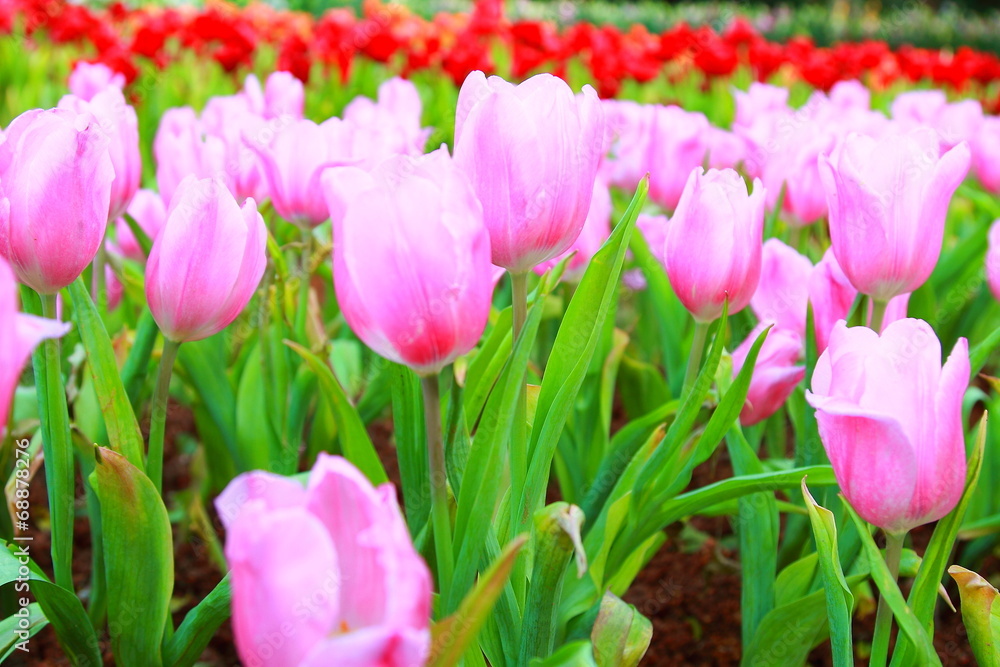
890 418
986 154
389 126
229 119
993 260
359 595
206 262
119 122
284 96
532 153
411 261
182 149
88 79
148 211
888 200
760 100
293 162
775 375
19 335
56 172
596 230
626 127
782 296
678 143
713 247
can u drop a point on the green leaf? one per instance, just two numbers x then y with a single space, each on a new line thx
411 446
981 622
200 361
141 237
887 586
136 365
839 600
139 559
34 619
621 634
187 644
486 366
259 444
456 633
123 429
354 440
61 607
575 654
980 353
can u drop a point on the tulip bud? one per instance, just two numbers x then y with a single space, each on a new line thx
782 296
284 96
148 211
88 79
678 144
389 126
411 261
714 243
207 261
890 418
986 154
596 230
888 200
182 149
775 375
119 122
532 153
19 335
993 260
359 595
57 174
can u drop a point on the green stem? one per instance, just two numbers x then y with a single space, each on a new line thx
58 450
440 516
97 281
303 309
883 618
158 418
878 314
697 350
519 438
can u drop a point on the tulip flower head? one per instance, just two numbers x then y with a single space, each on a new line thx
411 260
56 173
782 296
206 262
148 211
359 595
532 152
888 200
775 375
890 417
713 248
993 260
678 143
596 230
88 79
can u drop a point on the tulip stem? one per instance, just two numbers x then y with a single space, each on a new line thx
303 309
97 280
57 449
440 515
158 418
883 618
697 350
519 438
878 314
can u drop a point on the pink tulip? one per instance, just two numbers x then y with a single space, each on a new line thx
182 149
678 143
782 296
832 295
88 79
56 172
725 150
654 231
19 335
532 152
890 417
847 95
775 375
389 126
596 230
993 260
986 154
294 161
114 287
761 99
888 200
794 164
713 247
206 262
627 126
358 596
955 122
411 261
231 121
148 211
119 122
284 96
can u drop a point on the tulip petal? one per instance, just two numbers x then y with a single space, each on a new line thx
272 491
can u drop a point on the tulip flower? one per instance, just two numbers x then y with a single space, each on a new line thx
358 596
390 126
57 174
182 149
993 260
832 295
294 161
678 143
775 375
782 295
532 153
119 122
890 417
627 128
713 248
148 211
230 121
19 335
596 230
284 96
759 100
888 200
88 79
411 261
986 154
206 262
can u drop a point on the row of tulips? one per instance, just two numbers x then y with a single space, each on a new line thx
130 39
482 295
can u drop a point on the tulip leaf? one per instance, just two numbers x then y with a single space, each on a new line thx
979 614
411 446
15 623
839 600
139 558
455 634
61 607
574 654
136 365
187 644
572 351
621 634
123 429
141 237
200 361
923 594
981 352
486 366
354 440
919 638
